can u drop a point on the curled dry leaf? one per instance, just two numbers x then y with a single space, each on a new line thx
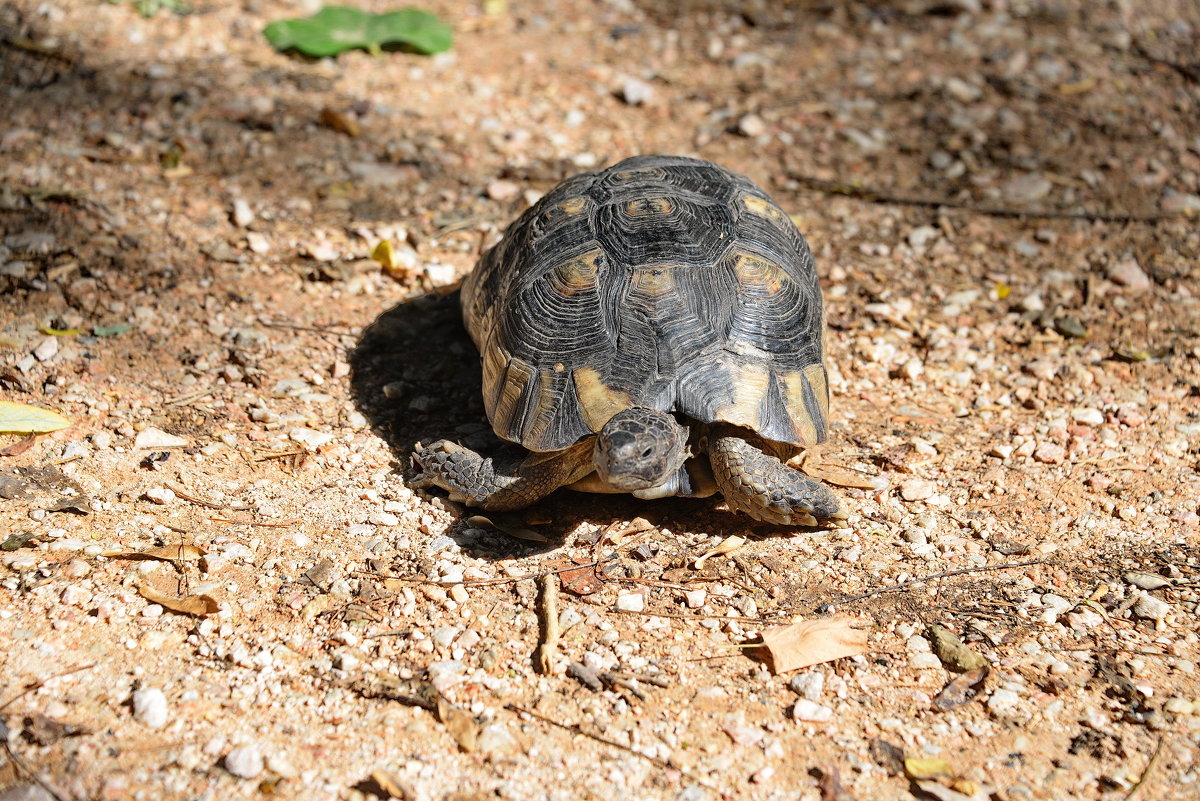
725 546
166 553
812 642
390 784
960 689
504 527
926 768
461 724
194 605
316 606
580 580
841 477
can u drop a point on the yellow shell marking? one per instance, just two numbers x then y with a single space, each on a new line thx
644 206
598 402
577 275
802 422
518 375
573 205
750 382
494 360
760 207
753 271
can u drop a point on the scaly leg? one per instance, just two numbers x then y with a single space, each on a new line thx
765 488
478 481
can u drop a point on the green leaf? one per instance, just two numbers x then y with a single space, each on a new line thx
21 418
110 330
335 29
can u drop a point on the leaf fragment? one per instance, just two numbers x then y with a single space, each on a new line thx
926 768
811 642
392 785
103 331
461 724
841 477
725 546
335 120
505 527
336 29
194 605
960 689
59 332
165 553
21 418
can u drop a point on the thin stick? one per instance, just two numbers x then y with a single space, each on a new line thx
878 196
43 682
1149 767
825 607
575 728
193 499
490 582
547 649
263 523
21 767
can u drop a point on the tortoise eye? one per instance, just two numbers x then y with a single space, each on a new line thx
646 453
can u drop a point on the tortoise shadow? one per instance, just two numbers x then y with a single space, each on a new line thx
415 376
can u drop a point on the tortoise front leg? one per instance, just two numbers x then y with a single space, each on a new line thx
478 481
758 484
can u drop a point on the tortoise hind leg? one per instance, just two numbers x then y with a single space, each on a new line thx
760 485
479 481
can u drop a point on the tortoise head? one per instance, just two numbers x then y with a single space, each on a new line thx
639 448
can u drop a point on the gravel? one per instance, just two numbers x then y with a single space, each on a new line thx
150 707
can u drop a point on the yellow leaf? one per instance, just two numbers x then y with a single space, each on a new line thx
21 418
385 254
725 546
165 553
1003 290
59 332
194 605
926 768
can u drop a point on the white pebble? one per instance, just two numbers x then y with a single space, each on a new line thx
310 439
1002 700
1088 417
243 215
631 602
245 762
811 711
47 349
157 439
150 707
808 685
695 598
383 519
1150 608
160 495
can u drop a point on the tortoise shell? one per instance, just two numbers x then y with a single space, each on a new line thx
661 281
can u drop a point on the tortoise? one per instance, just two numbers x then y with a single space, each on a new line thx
654 328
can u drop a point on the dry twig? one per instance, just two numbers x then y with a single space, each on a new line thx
825 607
547 650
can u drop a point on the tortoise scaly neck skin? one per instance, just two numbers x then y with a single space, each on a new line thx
639 448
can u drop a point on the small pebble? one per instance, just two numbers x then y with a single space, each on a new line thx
1002 700
808 685
636 92
502 190
695 598
751 125
1088 417
311 440
1150 608
46 349
631 602
1129 274
157 439
811 712
160 495
243 215
1050 453
150 707
917 489
245 762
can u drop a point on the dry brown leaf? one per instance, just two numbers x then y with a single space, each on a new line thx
392 785
194 605
165 553
960 689
725 546
812 642
579 580
841 477
342 123
316 606
460 723
517 532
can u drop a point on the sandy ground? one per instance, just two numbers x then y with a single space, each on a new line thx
1001 197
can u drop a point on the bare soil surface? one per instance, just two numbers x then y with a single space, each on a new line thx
1002 198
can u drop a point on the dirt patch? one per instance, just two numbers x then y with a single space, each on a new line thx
1001 198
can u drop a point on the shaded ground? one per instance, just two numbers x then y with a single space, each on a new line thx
1026 385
